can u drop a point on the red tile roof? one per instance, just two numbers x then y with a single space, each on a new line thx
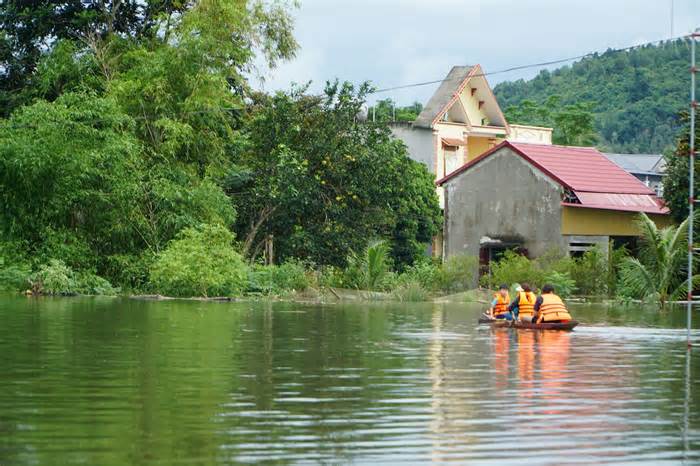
582 169
594 179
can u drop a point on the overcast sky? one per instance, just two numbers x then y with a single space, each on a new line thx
395 42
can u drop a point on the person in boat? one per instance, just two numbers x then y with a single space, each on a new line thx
523 306
500 303
549 307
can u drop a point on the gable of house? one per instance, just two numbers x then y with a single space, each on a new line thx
464 97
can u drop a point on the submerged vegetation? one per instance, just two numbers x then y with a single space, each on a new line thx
657 274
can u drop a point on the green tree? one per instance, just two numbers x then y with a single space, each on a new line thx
386 110
573 124
676 180
634 94
658 273
30 28
128 137
322 182
68 179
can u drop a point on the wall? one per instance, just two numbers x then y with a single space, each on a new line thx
531 134
419 141
502 196
584 221
477 146
471 106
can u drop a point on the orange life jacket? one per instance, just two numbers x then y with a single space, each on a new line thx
526 304
502 304
552 309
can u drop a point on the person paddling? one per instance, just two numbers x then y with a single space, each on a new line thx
499 305
523 306
549 307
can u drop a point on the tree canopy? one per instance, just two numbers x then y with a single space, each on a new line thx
130 122
322 182
634 95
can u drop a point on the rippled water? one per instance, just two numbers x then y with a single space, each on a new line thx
113 382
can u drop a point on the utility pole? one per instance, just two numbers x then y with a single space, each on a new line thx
691 182
671 18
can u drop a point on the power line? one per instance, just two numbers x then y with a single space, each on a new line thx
405 86
523 67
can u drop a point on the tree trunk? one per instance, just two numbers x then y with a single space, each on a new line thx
264 214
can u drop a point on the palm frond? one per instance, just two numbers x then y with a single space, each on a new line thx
637 279
651 242
680 292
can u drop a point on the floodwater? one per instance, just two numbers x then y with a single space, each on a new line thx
118 381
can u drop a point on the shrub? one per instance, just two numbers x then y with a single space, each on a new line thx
89 283
13 277
425 272
410 291
54 278
331 276
200 262
275 279
376 262
562 283
512 268
367 271
590 273
458 273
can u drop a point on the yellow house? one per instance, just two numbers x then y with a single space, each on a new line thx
461 121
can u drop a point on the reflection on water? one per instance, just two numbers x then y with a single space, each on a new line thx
125 382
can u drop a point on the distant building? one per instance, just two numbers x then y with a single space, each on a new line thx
536 197
648 168
461 121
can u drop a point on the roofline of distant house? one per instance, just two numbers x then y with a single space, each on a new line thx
508 144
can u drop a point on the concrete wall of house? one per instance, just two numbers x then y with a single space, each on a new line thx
584 221
530 134
419 141
504 197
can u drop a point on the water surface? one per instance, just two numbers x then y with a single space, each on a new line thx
118 381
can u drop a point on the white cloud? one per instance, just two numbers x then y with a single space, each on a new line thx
394 42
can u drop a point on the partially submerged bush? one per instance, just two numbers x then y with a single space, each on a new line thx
56 278
458 273
563 285
411 291
512 268
590 273
13 277
200 262
367 271
276 279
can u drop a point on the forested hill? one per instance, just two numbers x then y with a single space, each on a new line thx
635 95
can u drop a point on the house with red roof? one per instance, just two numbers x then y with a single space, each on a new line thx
538 197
